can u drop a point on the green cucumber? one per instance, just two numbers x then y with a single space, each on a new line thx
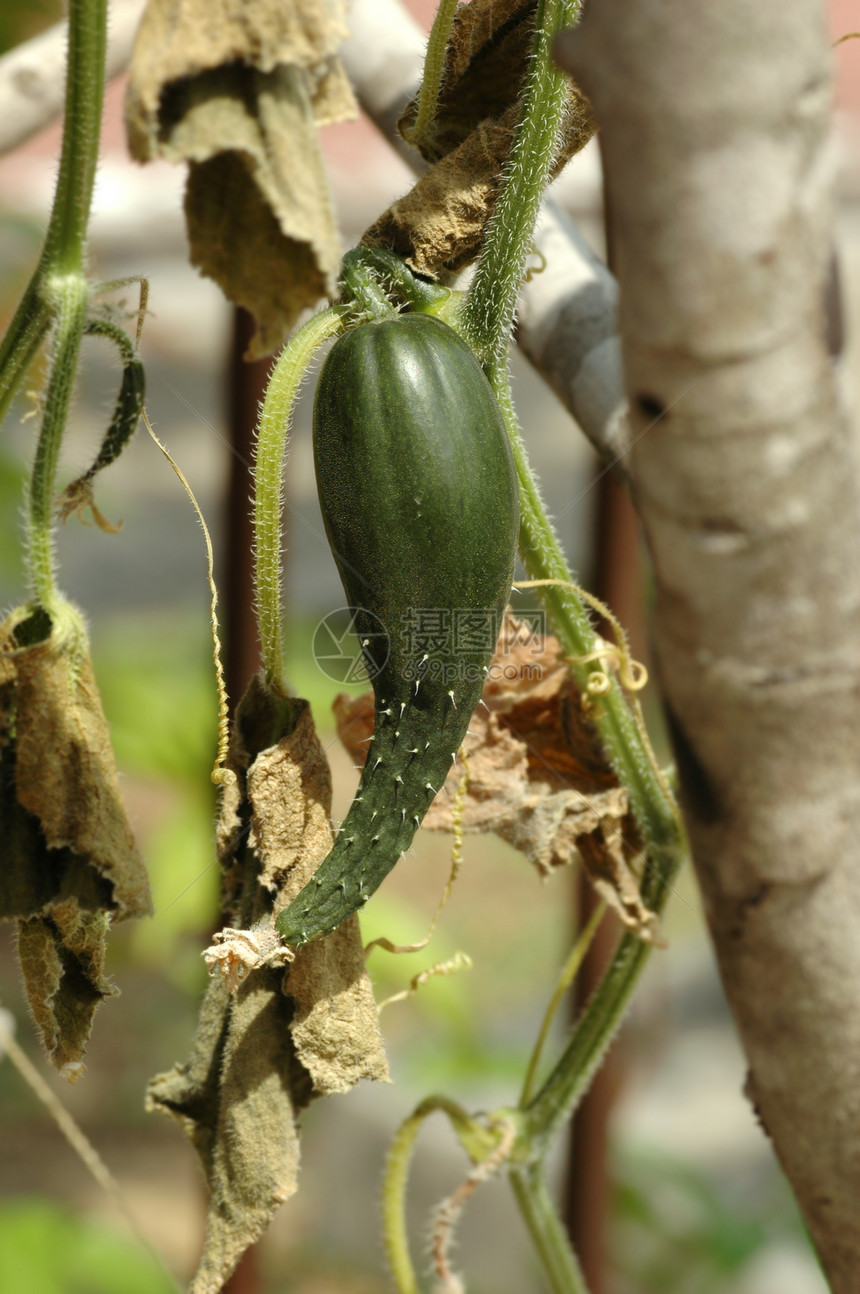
419 497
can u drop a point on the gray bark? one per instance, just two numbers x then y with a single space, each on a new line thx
714 122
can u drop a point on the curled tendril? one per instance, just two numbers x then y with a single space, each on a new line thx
532 270
449 1211
632 674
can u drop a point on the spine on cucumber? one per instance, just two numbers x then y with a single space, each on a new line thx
419 497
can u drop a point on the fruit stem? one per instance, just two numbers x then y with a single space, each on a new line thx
272 438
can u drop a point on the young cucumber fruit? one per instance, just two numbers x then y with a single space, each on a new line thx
419 496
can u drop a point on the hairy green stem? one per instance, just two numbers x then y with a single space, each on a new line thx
553 1105
20 346
394 1231
63 249
565 979
613 718
568 1082
85 80
58 290
434 63
488 316
549 1237
287 376
71 296
655 813
492 297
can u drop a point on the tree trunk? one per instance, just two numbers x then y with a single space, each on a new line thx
714 121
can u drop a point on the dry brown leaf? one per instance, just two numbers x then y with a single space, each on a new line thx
236 1099
238 90
537 775
530 686
62 964
335 1027
70 861
484 61
179 38
264 1051
438 227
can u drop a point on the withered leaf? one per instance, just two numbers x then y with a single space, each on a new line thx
62 965
237 1099
484 62
439 226
238 90
537 776
284 1035
179 38
70 861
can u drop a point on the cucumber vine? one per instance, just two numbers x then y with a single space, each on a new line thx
377 285
485 317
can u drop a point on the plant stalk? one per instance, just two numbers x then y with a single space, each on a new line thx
488 315
63 250
71 294
434 64
617 725
565 979
20 346
59 287
475 1141
492 297
549 1237
556 1100
287 376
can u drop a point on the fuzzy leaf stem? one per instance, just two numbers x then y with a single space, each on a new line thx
272 434
475 1139
492 298
63 250
59 288
560 1265
434 62
71 294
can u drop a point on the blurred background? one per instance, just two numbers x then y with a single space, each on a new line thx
696 1203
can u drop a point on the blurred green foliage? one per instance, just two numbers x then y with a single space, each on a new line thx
157 685
12 473
676 1230
49 1250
